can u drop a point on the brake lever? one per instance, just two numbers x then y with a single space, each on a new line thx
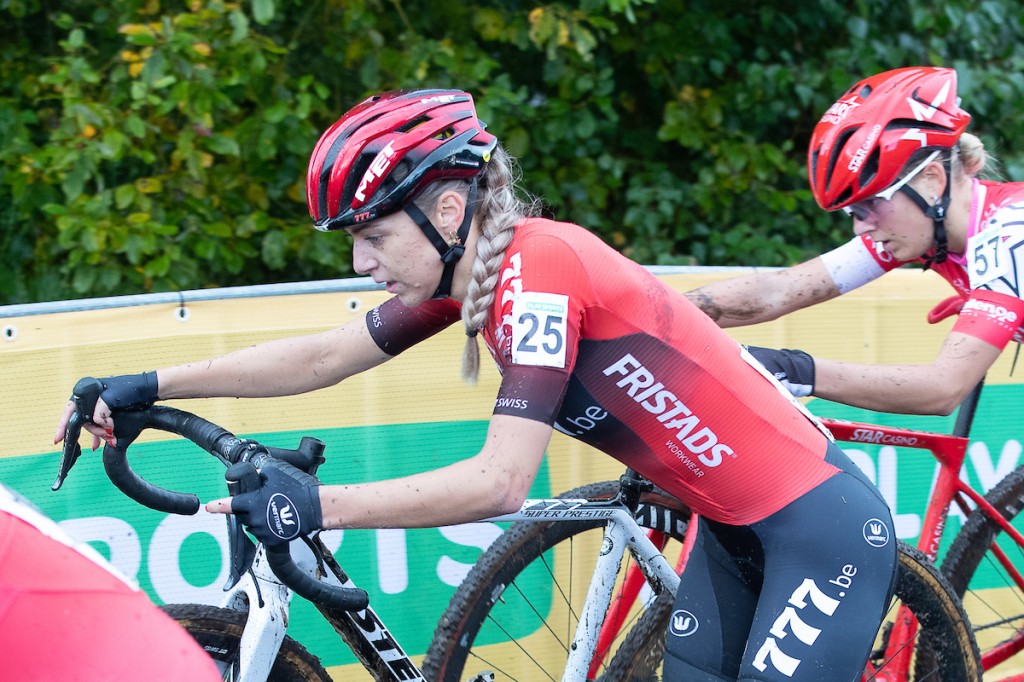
85 394
242 477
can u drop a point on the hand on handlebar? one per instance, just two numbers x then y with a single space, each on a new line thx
277 502
93 401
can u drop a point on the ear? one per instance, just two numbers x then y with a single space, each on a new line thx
449 210
934 174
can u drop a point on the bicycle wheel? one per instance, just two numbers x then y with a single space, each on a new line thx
992 597
943 647
479 631
219 632
516 612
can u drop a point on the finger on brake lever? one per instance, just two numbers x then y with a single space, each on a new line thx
85 394
242 477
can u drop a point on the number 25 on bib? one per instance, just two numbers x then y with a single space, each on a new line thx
538 329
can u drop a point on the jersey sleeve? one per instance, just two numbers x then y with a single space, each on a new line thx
548 289
395 327
858 262
991 316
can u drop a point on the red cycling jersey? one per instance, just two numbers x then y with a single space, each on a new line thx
597 346
985 276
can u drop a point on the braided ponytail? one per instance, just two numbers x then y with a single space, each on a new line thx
500 210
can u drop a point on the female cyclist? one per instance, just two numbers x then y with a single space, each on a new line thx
892 153
588 343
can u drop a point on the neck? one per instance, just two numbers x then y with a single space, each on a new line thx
959 215
464 268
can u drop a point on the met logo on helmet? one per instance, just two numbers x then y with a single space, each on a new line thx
440 99
373 174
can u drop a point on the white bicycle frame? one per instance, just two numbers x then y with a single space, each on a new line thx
622 533
266 600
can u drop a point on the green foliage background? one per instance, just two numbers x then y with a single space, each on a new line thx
155 146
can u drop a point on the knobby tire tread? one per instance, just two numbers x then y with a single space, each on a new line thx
219 632
947 650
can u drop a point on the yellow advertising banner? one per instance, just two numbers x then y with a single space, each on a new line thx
412 414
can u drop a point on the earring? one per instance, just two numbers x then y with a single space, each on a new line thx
453 238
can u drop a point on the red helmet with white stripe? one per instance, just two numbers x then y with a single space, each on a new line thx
377 157
864 140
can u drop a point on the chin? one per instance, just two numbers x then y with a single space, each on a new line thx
411 299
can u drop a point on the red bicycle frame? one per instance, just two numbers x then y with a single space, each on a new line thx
949 450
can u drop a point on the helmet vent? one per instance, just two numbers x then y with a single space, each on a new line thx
908 123
843 197
869 169
419 120
840 143
865 92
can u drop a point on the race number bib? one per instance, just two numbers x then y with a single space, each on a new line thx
538 329
987 256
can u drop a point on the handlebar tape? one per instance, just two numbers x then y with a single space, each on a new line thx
304 585
127 428
211 438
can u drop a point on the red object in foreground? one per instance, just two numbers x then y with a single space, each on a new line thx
66 614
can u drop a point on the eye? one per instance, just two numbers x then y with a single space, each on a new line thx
858 211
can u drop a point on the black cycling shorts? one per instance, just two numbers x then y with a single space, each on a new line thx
797 596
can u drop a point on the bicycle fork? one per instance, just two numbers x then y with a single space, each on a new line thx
617 540
261 596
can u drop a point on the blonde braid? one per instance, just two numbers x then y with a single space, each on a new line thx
500 210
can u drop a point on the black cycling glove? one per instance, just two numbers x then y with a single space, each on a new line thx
284 506
123 392
793 368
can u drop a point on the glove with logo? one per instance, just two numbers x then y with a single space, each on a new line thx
284 506
793 368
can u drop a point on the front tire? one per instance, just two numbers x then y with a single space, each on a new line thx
219 632
517 609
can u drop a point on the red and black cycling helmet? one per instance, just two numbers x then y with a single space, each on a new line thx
377 157
864 140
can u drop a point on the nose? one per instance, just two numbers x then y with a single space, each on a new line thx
861 226
363 261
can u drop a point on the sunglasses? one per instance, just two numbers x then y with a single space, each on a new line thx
864 210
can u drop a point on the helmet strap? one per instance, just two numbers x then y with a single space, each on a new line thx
450 251
937 212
